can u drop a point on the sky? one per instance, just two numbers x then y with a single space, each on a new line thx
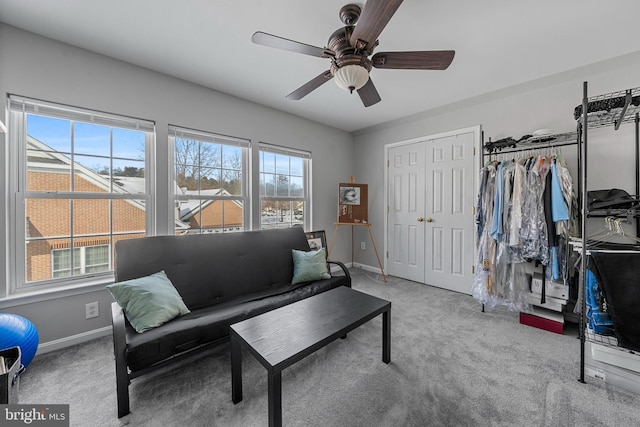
92 145
91 142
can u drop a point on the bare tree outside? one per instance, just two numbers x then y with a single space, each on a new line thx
197 164
203 165
232 170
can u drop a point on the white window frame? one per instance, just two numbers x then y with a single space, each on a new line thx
244 199
306 177
19 108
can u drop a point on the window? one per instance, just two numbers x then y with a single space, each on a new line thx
89 259
284 199
209 181
81 180
82 183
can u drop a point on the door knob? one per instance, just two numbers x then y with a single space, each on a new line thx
429 219
420 219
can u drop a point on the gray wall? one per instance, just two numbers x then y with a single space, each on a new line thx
516 111
41 68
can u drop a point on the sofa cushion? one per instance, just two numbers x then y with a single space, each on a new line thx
309 266
210 324
148 301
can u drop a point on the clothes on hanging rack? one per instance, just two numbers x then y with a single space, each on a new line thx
526 210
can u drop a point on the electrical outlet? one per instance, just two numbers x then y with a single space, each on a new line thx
363 246
92 310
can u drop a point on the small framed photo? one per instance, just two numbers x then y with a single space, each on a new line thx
349 195
317 240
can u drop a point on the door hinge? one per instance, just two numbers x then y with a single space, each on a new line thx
473 269
388 163
474 151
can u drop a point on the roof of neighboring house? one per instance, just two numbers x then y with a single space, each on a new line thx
131 184
188 208
45 159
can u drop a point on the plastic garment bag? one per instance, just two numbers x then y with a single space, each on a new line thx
533 233
499 278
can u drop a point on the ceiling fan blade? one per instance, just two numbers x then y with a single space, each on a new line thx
277 42
310 86
415 60
375 16
368 94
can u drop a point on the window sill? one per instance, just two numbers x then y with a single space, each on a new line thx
24 296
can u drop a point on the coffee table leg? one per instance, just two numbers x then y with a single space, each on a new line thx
275 399
236 370
386 336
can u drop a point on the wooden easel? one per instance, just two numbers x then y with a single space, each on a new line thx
355 214
338 224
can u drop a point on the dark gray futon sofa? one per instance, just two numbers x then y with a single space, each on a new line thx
222 278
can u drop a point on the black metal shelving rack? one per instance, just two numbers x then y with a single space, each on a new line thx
612 109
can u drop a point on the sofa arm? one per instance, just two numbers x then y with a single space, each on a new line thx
342 266
119 351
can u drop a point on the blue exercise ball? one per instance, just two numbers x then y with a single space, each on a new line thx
16 331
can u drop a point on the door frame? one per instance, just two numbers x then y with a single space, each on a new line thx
476 130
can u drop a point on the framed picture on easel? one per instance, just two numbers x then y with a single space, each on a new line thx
350 195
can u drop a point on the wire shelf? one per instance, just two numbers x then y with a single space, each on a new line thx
628 213
534 143
608 340
621 93
609 109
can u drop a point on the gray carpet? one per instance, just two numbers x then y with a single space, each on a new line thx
451 365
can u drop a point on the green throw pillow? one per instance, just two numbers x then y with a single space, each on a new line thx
308 266
149 301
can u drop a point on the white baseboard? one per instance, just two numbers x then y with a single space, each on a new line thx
73 340
366 267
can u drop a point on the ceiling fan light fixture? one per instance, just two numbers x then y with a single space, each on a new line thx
351 77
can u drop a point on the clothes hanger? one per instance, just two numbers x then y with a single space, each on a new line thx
613 227
595 239
620 231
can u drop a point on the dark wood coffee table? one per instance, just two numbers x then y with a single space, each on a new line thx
281 337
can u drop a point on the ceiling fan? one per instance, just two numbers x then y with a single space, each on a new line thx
349 49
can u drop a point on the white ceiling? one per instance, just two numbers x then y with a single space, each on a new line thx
498 43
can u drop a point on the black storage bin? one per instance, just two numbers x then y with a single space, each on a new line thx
617 274
9 380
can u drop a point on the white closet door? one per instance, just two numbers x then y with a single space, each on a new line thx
406 190
430 194
449 206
